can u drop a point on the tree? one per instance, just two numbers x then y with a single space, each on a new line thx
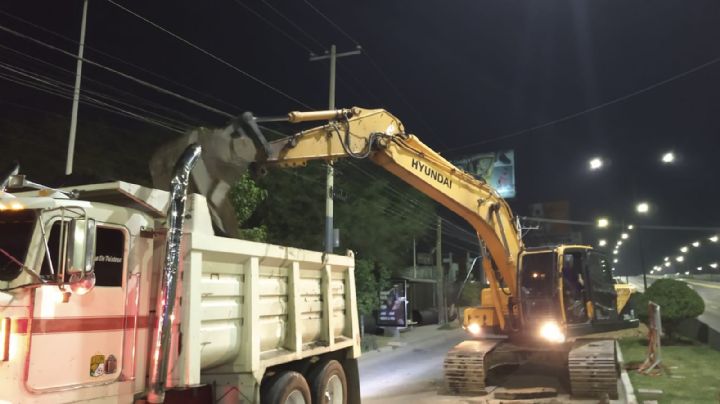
370 279
677 302
246 196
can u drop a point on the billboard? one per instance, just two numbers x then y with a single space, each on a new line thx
496 169
393 306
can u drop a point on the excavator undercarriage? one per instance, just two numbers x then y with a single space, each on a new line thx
592 367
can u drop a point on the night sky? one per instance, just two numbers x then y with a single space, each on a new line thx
457 73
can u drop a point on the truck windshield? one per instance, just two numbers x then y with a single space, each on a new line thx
537 270
16 229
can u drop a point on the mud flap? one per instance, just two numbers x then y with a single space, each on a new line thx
352 374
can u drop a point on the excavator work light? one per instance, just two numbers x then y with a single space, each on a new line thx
474 329
551 332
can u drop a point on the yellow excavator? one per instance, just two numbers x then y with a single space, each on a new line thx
539 300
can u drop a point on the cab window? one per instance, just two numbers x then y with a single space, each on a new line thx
109 255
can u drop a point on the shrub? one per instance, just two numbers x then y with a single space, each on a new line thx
677 302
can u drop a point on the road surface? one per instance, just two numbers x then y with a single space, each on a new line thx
413 374
408 370
709 291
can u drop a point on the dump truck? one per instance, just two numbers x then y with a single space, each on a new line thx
120 293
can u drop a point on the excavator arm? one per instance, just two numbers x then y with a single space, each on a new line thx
381 137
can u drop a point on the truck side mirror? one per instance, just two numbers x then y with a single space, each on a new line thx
80 256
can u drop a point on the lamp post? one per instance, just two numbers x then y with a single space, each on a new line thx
642 208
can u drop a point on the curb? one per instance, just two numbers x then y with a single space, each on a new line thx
625 378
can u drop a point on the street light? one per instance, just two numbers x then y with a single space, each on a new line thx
619 243
615 252
624 236
667 264
603 222
602 242
615 261
684 249
642 207
666 259
713 265
699 268
595 163
679 258
630 227
668 158
714 239
696 244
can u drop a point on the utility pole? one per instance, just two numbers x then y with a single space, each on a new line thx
442 312
330 178
76 94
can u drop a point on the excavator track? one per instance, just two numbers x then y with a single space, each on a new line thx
593 369
465 367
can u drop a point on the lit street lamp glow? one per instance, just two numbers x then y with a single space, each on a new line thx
684 249
615 261
595 163
615 252
619 243
603 222
714 265
687 272
680 258
668 158
699 268
667 264
602 242
666 259
642 207
624 236
696 244
630 227
714 239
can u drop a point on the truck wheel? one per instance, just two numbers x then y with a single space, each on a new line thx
288 388
329 384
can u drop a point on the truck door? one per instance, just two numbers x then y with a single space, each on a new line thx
79 343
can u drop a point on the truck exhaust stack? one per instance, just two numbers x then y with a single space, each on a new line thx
166 302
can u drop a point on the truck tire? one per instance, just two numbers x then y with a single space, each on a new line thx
328 384
288 388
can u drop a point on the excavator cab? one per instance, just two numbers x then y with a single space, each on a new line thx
568 291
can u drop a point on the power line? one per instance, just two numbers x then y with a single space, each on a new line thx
592 109
125 75
296 26
64 90
123 61
274 26
376 66
213 56
100 83
66 87
331 22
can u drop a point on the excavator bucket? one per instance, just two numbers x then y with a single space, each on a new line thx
227 154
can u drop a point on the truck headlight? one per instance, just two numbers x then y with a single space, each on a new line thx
474 328
551 332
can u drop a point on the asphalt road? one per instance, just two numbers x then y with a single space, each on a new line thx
385 376
413 374
709 291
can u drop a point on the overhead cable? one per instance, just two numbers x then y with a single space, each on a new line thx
123 61
296 26
591 109
125 75
213 56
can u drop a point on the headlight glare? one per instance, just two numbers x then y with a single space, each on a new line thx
551 332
